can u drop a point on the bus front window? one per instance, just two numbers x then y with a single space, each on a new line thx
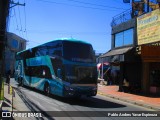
86 75
78 52
81 75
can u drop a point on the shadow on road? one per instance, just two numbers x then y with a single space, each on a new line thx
93 102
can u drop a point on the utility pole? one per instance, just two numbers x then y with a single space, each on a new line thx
5 5
15 4
4 12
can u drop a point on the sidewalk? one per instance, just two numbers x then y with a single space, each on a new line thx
12 103
145 101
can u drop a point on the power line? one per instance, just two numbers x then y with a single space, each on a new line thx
25 21
13 18
96 5
18 18
47 1
121 2
24 17
34 42
17 25
70 32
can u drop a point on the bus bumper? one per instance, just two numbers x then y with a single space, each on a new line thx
80 91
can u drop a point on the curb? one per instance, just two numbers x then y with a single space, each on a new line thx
131 102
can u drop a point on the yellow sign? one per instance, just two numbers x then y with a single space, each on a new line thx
10 89
1 89
148 27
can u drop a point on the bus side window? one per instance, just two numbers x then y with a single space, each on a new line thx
57 64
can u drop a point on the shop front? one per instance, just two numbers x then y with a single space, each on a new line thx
150 55
124 65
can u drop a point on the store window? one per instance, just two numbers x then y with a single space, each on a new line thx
124 38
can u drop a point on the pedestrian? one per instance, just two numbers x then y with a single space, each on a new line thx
114 76
125 85
8 76
107 76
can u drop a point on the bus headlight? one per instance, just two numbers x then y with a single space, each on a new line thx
94 89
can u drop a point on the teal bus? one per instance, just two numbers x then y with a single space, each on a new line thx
63 67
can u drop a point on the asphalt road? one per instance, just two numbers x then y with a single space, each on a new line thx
86 108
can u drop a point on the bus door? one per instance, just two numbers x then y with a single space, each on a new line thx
59 75
28 71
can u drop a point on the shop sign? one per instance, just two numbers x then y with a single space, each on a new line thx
148 27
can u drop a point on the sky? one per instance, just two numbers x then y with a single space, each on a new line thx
41 21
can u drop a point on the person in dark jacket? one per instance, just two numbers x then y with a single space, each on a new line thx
107 76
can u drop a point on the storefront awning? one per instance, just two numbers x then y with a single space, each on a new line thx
117 55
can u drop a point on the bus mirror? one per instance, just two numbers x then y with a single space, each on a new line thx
59 73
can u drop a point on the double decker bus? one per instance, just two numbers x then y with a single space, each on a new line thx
63 67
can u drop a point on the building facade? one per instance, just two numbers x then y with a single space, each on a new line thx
135 51
14 44
148 42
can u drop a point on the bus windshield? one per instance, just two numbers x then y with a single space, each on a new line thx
78 52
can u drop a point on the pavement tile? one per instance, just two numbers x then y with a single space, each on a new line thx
14 103
145 101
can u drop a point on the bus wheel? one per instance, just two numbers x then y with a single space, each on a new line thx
46 89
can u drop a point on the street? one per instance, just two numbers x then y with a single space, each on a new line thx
84 108
59 47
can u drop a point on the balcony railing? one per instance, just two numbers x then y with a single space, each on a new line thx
122 17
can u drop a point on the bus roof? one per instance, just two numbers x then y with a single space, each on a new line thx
69 39
59 40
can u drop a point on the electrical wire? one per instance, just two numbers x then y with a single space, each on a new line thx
20 18
95 8
67 32
16 19
13 19
25 21
17 25
96 4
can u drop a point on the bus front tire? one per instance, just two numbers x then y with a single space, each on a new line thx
47 89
